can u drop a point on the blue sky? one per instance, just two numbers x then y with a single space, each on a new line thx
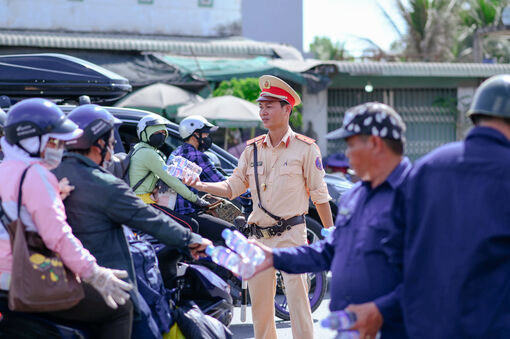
344 20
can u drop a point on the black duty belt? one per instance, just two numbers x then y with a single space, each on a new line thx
276 230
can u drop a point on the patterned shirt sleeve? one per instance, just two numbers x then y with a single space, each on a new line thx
209 172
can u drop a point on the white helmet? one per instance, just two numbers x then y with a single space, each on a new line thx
150 120
193 123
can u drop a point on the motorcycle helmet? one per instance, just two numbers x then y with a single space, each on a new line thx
492 98
36 117
195 123
150 120
95 121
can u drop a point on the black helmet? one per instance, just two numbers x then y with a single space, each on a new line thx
95 121
36 117
492 98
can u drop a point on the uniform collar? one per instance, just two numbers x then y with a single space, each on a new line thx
396 176
285 140
488 133
86 160
399 173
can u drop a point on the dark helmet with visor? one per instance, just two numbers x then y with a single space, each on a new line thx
95 121
36 117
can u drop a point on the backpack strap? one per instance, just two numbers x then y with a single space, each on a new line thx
129 156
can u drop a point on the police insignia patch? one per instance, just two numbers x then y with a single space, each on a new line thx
267 84
318 163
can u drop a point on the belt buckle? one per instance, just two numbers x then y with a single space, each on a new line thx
265 233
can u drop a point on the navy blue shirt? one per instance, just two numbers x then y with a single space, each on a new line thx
364 252
455 207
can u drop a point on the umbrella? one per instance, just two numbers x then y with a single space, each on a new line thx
224 111
159 98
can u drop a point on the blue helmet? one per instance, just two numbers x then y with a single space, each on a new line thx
36 117
95 121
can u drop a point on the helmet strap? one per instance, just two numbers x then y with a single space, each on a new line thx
32 155
104 149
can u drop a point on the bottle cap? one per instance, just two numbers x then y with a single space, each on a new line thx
326 323
226 233
209 249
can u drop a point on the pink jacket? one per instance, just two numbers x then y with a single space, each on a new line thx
43 211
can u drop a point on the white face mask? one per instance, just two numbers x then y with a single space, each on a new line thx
53 157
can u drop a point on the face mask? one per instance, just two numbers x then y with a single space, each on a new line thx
204 143
157 140
53 157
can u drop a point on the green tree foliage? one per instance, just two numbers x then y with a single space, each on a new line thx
431 29
324 49
247 89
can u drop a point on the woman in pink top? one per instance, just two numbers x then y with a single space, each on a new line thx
35 132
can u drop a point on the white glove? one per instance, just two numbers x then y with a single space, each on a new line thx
106 281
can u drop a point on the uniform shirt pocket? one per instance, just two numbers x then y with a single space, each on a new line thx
251 176
291 177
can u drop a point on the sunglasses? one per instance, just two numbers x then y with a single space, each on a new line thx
55 143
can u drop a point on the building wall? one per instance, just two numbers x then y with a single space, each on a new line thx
208 18
274 21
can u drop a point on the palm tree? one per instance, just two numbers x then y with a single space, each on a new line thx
431 29
476 15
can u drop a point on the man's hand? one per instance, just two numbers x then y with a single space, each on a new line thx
198 250
65 188
193 182
268 261
369 320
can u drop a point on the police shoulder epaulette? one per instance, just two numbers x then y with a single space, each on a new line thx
251 141
305 139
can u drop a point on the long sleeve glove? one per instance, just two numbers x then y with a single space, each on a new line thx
107 282
201 203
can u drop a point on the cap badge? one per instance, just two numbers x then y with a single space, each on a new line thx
267 84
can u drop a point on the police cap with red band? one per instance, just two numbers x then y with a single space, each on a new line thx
274 88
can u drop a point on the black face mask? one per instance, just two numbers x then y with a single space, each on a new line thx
204 143
157 140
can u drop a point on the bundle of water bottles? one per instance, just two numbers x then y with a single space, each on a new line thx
342 321
244 257
182 168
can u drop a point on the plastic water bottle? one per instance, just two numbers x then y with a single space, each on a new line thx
325 232
339 320
182 168
230 260
238 242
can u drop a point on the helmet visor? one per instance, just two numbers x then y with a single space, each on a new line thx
66 130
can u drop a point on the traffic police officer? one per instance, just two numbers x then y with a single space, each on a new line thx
289 171
456 214
363 253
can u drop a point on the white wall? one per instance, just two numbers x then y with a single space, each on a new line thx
166 17
279 21
315 110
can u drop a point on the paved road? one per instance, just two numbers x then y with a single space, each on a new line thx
245 330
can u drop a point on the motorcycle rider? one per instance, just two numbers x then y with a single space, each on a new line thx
35 131
101 203
195 131
146 169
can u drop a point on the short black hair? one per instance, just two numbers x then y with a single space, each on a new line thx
477 118
396 146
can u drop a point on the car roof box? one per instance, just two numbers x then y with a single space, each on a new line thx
58 76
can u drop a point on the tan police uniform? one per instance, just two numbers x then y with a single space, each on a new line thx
289 174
